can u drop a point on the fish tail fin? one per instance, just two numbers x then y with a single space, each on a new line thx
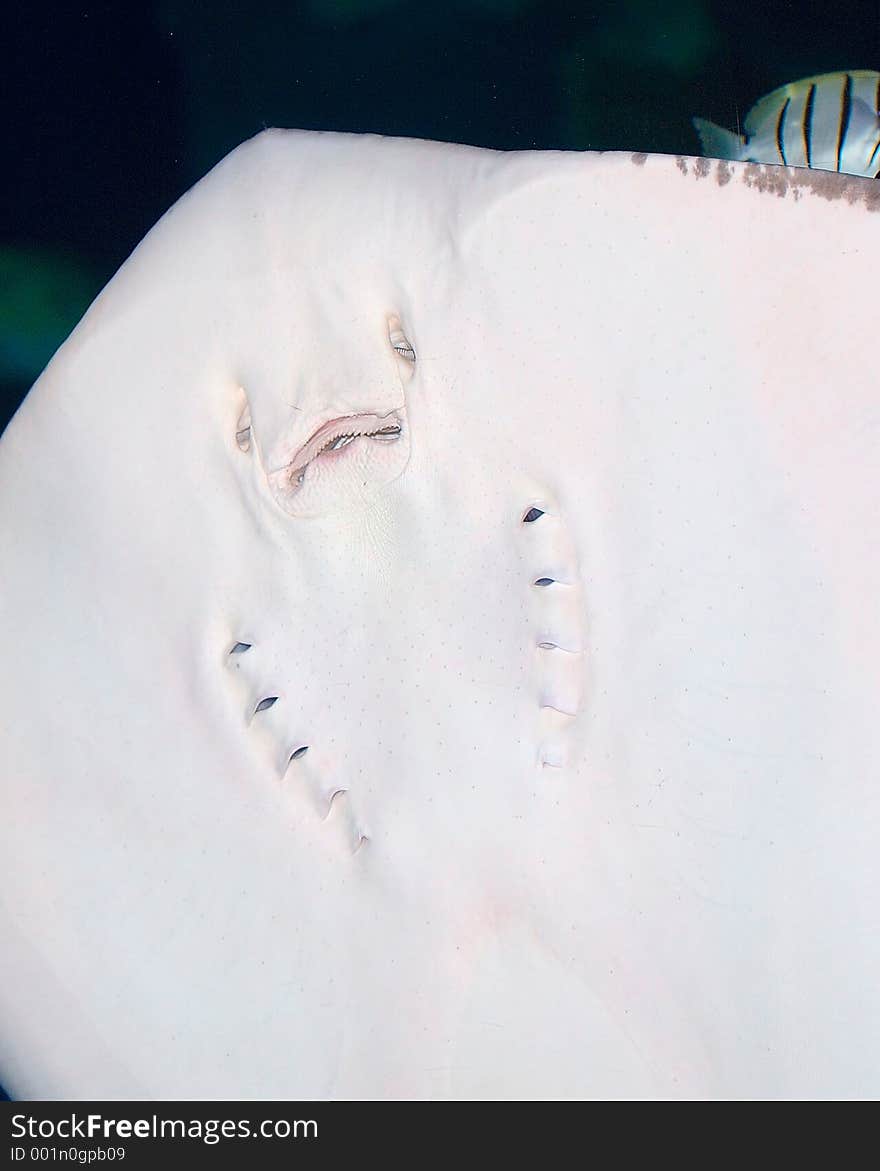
717 142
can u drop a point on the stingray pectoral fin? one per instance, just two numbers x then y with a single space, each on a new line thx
717 142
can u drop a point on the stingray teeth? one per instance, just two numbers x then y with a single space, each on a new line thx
339 441
331 438
385 433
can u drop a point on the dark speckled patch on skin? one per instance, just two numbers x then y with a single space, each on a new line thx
780 181
828 184
702 167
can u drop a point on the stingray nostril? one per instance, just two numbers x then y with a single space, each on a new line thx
545 581
240 648
265 703
243 429
532 515
299 752
400 343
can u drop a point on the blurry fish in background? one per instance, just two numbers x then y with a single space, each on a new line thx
43 293
829 123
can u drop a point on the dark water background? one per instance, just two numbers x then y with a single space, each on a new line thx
111 111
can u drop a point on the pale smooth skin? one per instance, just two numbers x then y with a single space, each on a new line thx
643 864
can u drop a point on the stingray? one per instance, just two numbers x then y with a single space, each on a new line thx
440 639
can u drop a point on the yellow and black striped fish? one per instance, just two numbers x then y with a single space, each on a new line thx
830 123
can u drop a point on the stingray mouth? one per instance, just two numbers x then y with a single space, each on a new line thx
346 459
338 435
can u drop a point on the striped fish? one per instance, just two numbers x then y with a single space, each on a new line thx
830 123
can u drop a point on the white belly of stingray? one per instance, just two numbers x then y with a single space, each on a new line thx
440 639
